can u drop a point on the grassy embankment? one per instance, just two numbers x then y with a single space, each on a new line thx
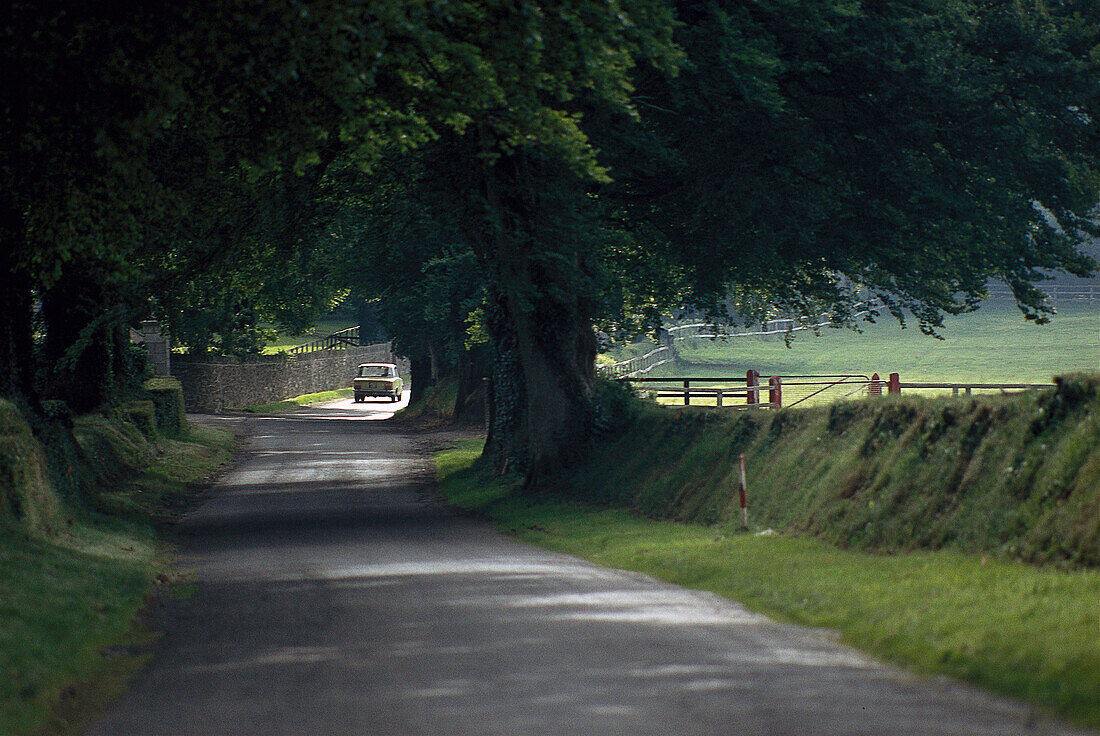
297 402
906 524
81 502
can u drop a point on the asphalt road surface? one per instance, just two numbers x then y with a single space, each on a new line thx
337 595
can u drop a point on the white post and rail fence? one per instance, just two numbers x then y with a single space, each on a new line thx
638 365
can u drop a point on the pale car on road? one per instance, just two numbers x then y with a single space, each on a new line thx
377 379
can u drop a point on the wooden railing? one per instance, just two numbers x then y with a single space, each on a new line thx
1055 293
749 392
336 341
966 388
777 389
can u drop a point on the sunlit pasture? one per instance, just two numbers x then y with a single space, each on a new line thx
993 345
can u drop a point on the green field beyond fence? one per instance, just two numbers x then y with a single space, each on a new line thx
284 341
993 345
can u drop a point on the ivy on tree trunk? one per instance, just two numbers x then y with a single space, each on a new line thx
539 316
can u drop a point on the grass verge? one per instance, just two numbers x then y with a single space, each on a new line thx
71 592
297 402
434 407
1022 631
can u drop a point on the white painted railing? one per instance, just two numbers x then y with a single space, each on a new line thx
636 366
771 327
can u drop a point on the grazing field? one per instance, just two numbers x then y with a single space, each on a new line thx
992 345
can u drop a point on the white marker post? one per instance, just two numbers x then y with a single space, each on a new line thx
744 495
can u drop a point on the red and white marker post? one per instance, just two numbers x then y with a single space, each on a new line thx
744 495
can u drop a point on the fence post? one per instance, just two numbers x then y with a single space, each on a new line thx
719 398
775 392
894 386
687 395
752 378
875 387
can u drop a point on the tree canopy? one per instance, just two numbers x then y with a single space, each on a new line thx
516 171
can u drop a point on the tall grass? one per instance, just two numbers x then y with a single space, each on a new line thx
1017 476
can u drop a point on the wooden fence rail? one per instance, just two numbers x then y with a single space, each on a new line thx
341 340
748 393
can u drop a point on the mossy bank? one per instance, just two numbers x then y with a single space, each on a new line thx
1014 475
81 502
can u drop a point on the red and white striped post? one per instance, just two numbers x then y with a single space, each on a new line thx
744 493
875 387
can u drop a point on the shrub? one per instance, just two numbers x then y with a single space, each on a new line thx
26 498
617 405
143 415
167 397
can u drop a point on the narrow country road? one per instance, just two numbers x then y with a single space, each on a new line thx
337 595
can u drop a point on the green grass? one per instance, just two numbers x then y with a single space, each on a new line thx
434 406
61 606
993 345
70 596
1015 476
1026 632
297 402
323 328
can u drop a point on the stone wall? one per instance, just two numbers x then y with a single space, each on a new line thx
212 387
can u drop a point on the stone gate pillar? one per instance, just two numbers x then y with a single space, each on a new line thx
158 346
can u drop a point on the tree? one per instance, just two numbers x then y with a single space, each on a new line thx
398 248
913 147
806 151
905 146
96 95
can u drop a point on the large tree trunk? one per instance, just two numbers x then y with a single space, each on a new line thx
543 348
420 372
78 354
543 402
17 359
470 402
